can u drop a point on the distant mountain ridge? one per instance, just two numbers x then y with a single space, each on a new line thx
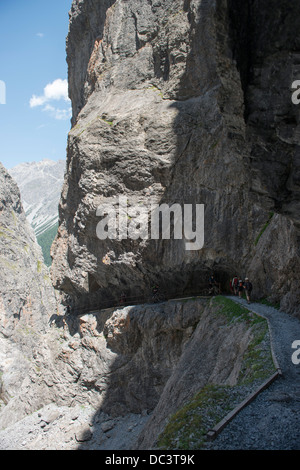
40 184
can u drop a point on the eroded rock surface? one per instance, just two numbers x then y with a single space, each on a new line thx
168 108
124 369
27 298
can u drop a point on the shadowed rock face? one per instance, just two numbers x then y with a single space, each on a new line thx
150 358
168 108
266 45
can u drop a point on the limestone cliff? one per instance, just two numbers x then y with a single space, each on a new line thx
266 44
181 101
27 298
185 102
132 364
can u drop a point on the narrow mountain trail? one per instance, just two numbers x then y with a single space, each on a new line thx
272 420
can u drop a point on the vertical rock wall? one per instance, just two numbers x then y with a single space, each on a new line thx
169 105
27 298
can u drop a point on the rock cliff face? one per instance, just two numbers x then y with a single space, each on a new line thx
40 185
266 47
185 102
26 291
127 365
27 298
176 102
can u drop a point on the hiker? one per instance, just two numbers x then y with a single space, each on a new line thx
212 282
213 285
235 282
248 289
240 288
157 296
155 289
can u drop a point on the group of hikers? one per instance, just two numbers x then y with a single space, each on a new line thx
238 286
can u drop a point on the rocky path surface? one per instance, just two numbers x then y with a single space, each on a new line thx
78 428
271 421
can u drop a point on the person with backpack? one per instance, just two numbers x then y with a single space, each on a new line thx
240 288
235 282
248 289
214 288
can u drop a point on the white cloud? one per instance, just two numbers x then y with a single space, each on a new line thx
58 113
55 91
40 35
37 101
63 114
48 107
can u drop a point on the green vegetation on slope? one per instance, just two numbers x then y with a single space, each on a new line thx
270 304
45 240
264 228
187 428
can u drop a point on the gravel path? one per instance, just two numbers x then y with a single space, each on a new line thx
272 420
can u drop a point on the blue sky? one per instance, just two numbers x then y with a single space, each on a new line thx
35 114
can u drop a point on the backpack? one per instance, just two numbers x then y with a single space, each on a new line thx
249 286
